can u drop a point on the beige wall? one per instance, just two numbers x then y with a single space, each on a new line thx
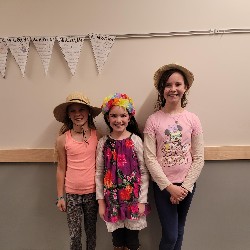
220 63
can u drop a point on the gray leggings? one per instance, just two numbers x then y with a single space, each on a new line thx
79 206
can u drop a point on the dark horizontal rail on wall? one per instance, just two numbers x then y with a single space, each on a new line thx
212 153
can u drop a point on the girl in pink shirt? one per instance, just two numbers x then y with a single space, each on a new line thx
174 152
76 148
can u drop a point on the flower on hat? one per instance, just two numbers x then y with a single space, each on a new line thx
118 99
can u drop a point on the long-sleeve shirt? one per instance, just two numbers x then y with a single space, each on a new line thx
174 148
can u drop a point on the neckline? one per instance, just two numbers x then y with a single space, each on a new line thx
84 140
112 138
174 114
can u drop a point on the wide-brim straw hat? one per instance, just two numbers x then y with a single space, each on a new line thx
60 111
158 74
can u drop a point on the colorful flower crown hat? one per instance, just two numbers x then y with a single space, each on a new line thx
118 99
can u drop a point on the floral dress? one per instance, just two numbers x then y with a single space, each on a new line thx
124 177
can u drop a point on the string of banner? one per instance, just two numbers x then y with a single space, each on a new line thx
71 46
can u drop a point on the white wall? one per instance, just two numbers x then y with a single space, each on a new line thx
220 63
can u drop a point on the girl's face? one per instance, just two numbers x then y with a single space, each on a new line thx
118 118
78 113
174 88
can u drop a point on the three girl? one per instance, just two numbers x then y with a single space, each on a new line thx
174 152
76 148
121 176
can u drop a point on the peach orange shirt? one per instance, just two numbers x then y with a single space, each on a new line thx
80 174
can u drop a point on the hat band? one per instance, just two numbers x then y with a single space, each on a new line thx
77 100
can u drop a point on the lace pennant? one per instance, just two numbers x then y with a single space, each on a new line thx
71 48
3 56
44 47
101 45
19 48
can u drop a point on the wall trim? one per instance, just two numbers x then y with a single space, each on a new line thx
212 153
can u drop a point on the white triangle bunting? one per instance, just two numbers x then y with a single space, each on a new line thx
101 45
19 48
44 47
71 48
3 56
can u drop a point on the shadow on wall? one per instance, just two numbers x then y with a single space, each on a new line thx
47 137
147 108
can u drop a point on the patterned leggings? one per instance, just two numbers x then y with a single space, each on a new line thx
78 206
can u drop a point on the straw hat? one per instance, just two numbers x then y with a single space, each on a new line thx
60 111
157 76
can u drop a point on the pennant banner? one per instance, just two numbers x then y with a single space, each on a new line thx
3 56
19 48
71 48
44 46
101 45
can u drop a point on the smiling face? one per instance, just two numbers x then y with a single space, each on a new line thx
78 114
174 89
118 118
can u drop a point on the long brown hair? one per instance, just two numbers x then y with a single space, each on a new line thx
162 84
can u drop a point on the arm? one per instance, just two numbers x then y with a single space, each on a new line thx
98 134
61 171
152 163
197 149
143 195
99 178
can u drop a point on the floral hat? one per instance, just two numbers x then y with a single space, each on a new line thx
118 99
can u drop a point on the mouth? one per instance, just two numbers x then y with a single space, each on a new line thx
119 125
78 119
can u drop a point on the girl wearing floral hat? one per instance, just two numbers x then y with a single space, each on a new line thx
76 147
174 152
121 176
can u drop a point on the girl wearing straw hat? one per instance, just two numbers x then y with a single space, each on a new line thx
76 147
174 152
121 176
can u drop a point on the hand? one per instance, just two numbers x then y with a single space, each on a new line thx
141 207
102 208
178 192
61 205
174 201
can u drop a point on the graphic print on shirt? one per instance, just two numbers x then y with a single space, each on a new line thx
173 151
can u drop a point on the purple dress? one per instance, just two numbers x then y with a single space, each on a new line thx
122 180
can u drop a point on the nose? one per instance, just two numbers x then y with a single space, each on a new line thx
118 118
173 88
